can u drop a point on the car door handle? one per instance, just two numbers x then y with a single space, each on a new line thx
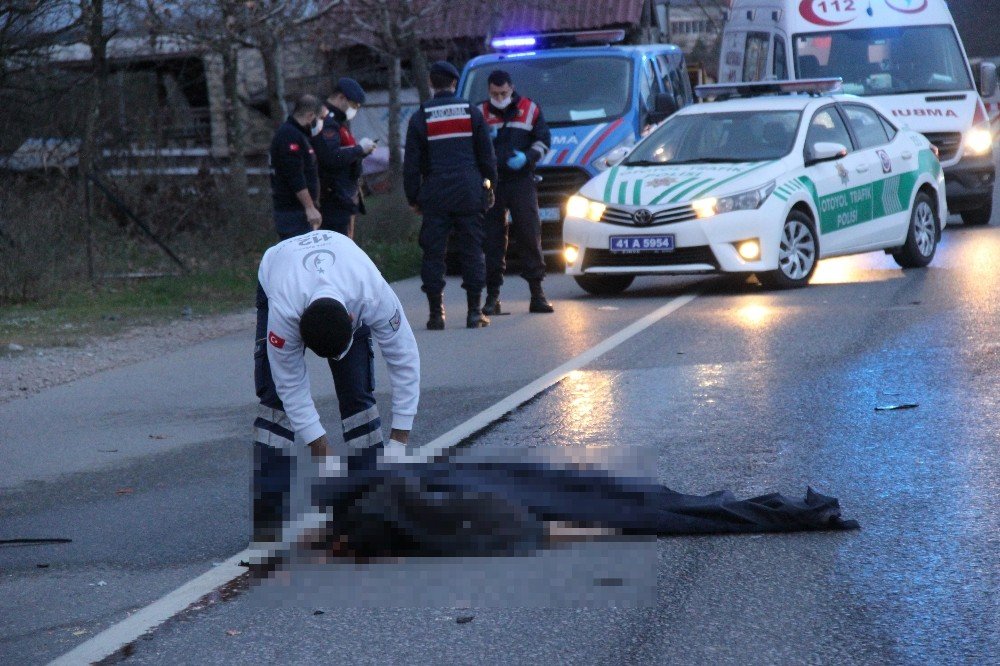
907 155
862 168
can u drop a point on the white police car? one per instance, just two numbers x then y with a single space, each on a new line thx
766 183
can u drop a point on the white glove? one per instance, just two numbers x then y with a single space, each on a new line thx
332 466
367 145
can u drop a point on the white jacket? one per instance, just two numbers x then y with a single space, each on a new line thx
322 264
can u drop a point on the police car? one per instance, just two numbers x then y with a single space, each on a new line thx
768 179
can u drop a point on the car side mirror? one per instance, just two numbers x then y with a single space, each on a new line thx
823 151
987 79
664 106
615 157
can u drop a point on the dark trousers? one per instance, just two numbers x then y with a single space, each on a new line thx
520 196
339 220
288 223
434 232
354 382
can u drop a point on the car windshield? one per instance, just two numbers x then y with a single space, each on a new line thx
736 136
885 61
570 91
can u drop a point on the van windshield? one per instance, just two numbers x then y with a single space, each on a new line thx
570 91
739 136
885 61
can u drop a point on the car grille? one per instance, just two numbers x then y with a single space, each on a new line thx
701 254
682 213
947 143
557 184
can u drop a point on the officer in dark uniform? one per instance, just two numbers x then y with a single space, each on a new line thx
521 138
294 176
448 172
340 157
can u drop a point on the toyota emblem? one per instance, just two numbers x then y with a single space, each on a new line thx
642 217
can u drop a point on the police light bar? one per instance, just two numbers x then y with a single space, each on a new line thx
807 86
556 39
504 43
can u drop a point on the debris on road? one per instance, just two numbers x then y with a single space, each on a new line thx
107 450
464 619
14 347
34 542
157 436
124 491
896 407
233 632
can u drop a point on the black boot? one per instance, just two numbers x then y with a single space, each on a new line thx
492 306
538 301
476 318
436 320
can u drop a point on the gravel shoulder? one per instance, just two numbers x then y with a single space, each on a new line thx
27 371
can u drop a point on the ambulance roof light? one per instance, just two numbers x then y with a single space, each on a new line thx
753 89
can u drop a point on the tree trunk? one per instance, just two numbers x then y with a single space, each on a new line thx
418 67
235 127
395 113
94 13
270 53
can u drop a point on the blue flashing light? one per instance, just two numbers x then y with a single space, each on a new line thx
525 42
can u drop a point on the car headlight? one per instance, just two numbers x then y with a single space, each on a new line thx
978 140
583 207
749 200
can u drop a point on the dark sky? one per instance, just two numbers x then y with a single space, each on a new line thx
978 23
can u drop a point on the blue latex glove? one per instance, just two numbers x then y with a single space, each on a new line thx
493 132
517 160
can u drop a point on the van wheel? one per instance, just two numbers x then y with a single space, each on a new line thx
798 253
978 217
922 236
604 285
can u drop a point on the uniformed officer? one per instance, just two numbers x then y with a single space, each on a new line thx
323 293
294 176
521 138
340 157
449 168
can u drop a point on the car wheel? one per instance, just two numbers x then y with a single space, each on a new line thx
922 236
604 285
978 216
798 252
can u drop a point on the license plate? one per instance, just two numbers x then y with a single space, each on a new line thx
549 214
663 243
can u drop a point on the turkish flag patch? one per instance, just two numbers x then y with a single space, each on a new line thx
275 340
293 147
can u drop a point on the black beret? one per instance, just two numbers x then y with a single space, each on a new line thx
352 90
446 68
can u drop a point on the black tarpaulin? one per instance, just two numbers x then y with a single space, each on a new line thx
487 508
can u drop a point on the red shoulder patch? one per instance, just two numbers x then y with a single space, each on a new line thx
293 147
275 340
346 138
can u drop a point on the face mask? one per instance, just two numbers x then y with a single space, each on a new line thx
351 112
317 127
503 103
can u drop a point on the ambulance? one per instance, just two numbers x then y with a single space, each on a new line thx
905 56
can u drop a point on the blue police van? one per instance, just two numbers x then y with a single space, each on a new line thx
598 97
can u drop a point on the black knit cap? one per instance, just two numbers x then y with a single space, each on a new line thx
325 327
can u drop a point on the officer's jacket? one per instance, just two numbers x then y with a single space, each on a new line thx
339 159
520 126
293 166
321 264
448 154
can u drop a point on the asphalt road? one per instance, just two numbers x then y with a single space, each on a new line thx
146 469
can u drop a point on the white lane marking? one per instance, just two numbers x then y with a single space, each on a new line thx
118 636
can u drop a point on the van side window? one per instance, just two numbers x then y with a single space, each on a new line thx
866 125
647 84
780 67
889 129
827 126
755 56
663 61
